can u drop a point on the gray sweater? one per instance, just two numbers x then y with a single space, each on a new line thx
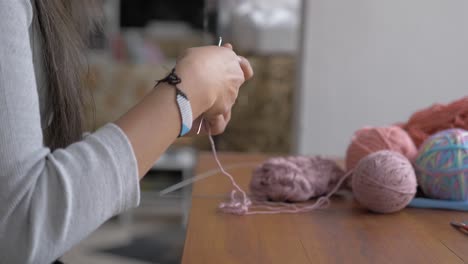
49 201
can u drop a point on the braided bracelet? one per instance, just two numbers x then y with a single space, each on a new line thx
183 102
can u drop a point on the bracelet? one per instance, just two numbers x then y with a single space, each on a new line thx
183 103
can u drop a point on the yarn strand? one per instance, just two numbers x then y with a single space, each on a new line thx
245 206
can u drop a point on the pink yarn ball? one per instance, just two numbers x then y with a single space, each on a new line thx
384 182
369 140
294 178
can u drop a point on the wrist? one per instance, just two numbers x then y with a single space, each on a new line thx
200 97
181 100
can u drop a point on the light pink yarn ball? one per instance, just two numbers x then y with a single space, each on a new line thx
372 139
294 178
384 182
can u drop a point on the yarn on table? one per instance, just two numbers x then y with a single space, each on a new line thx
372 139
442 165
294 178
436 118
384 182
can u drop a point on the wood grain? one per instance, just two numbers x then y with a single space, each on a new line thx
342 233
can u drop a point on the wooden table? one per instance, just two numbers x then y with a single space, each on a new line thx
342 233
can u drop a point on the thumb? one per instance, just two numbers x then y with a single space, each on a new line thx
228 45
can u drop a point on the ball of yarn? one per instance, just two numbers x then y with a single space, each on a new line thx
436 118
442 165
369 140
294 178
384 182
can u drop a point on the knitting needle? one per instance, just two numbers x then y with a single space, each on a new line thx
204 175
460 225
201 121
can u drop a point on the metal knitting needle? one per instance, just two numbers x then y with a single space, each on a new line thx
459 225
204 175
201 121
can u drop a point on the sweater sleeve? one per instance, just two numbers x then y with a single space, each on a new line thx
49 201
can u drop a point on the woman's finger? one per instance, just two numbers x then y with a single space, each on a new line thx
228 45
227 117
218 124
246 68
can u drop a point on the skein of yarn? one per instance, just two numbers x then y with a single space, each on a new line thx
384 182
442 165
294 178
438 117
372 139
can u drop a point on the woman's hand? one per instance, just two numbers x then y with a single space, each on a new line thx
211 78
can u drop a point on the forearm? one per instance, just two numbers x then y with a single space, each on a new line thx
152 125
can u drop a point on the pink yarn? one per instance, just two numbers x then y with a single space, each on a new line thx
384 182
372 139
241 204
294 178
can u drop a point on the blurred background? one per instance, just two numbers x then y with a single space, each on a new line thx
323 69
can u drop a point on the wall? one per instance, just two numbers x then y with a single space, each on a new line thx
374 62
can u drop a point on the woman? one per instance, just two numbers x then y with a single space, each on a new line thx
55 186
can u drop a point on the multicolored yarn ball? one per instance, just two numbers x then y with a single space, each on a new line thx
372 139
294 178
384 182
442 165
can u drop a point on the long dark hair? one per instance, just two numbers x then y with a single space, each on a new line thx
65 26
